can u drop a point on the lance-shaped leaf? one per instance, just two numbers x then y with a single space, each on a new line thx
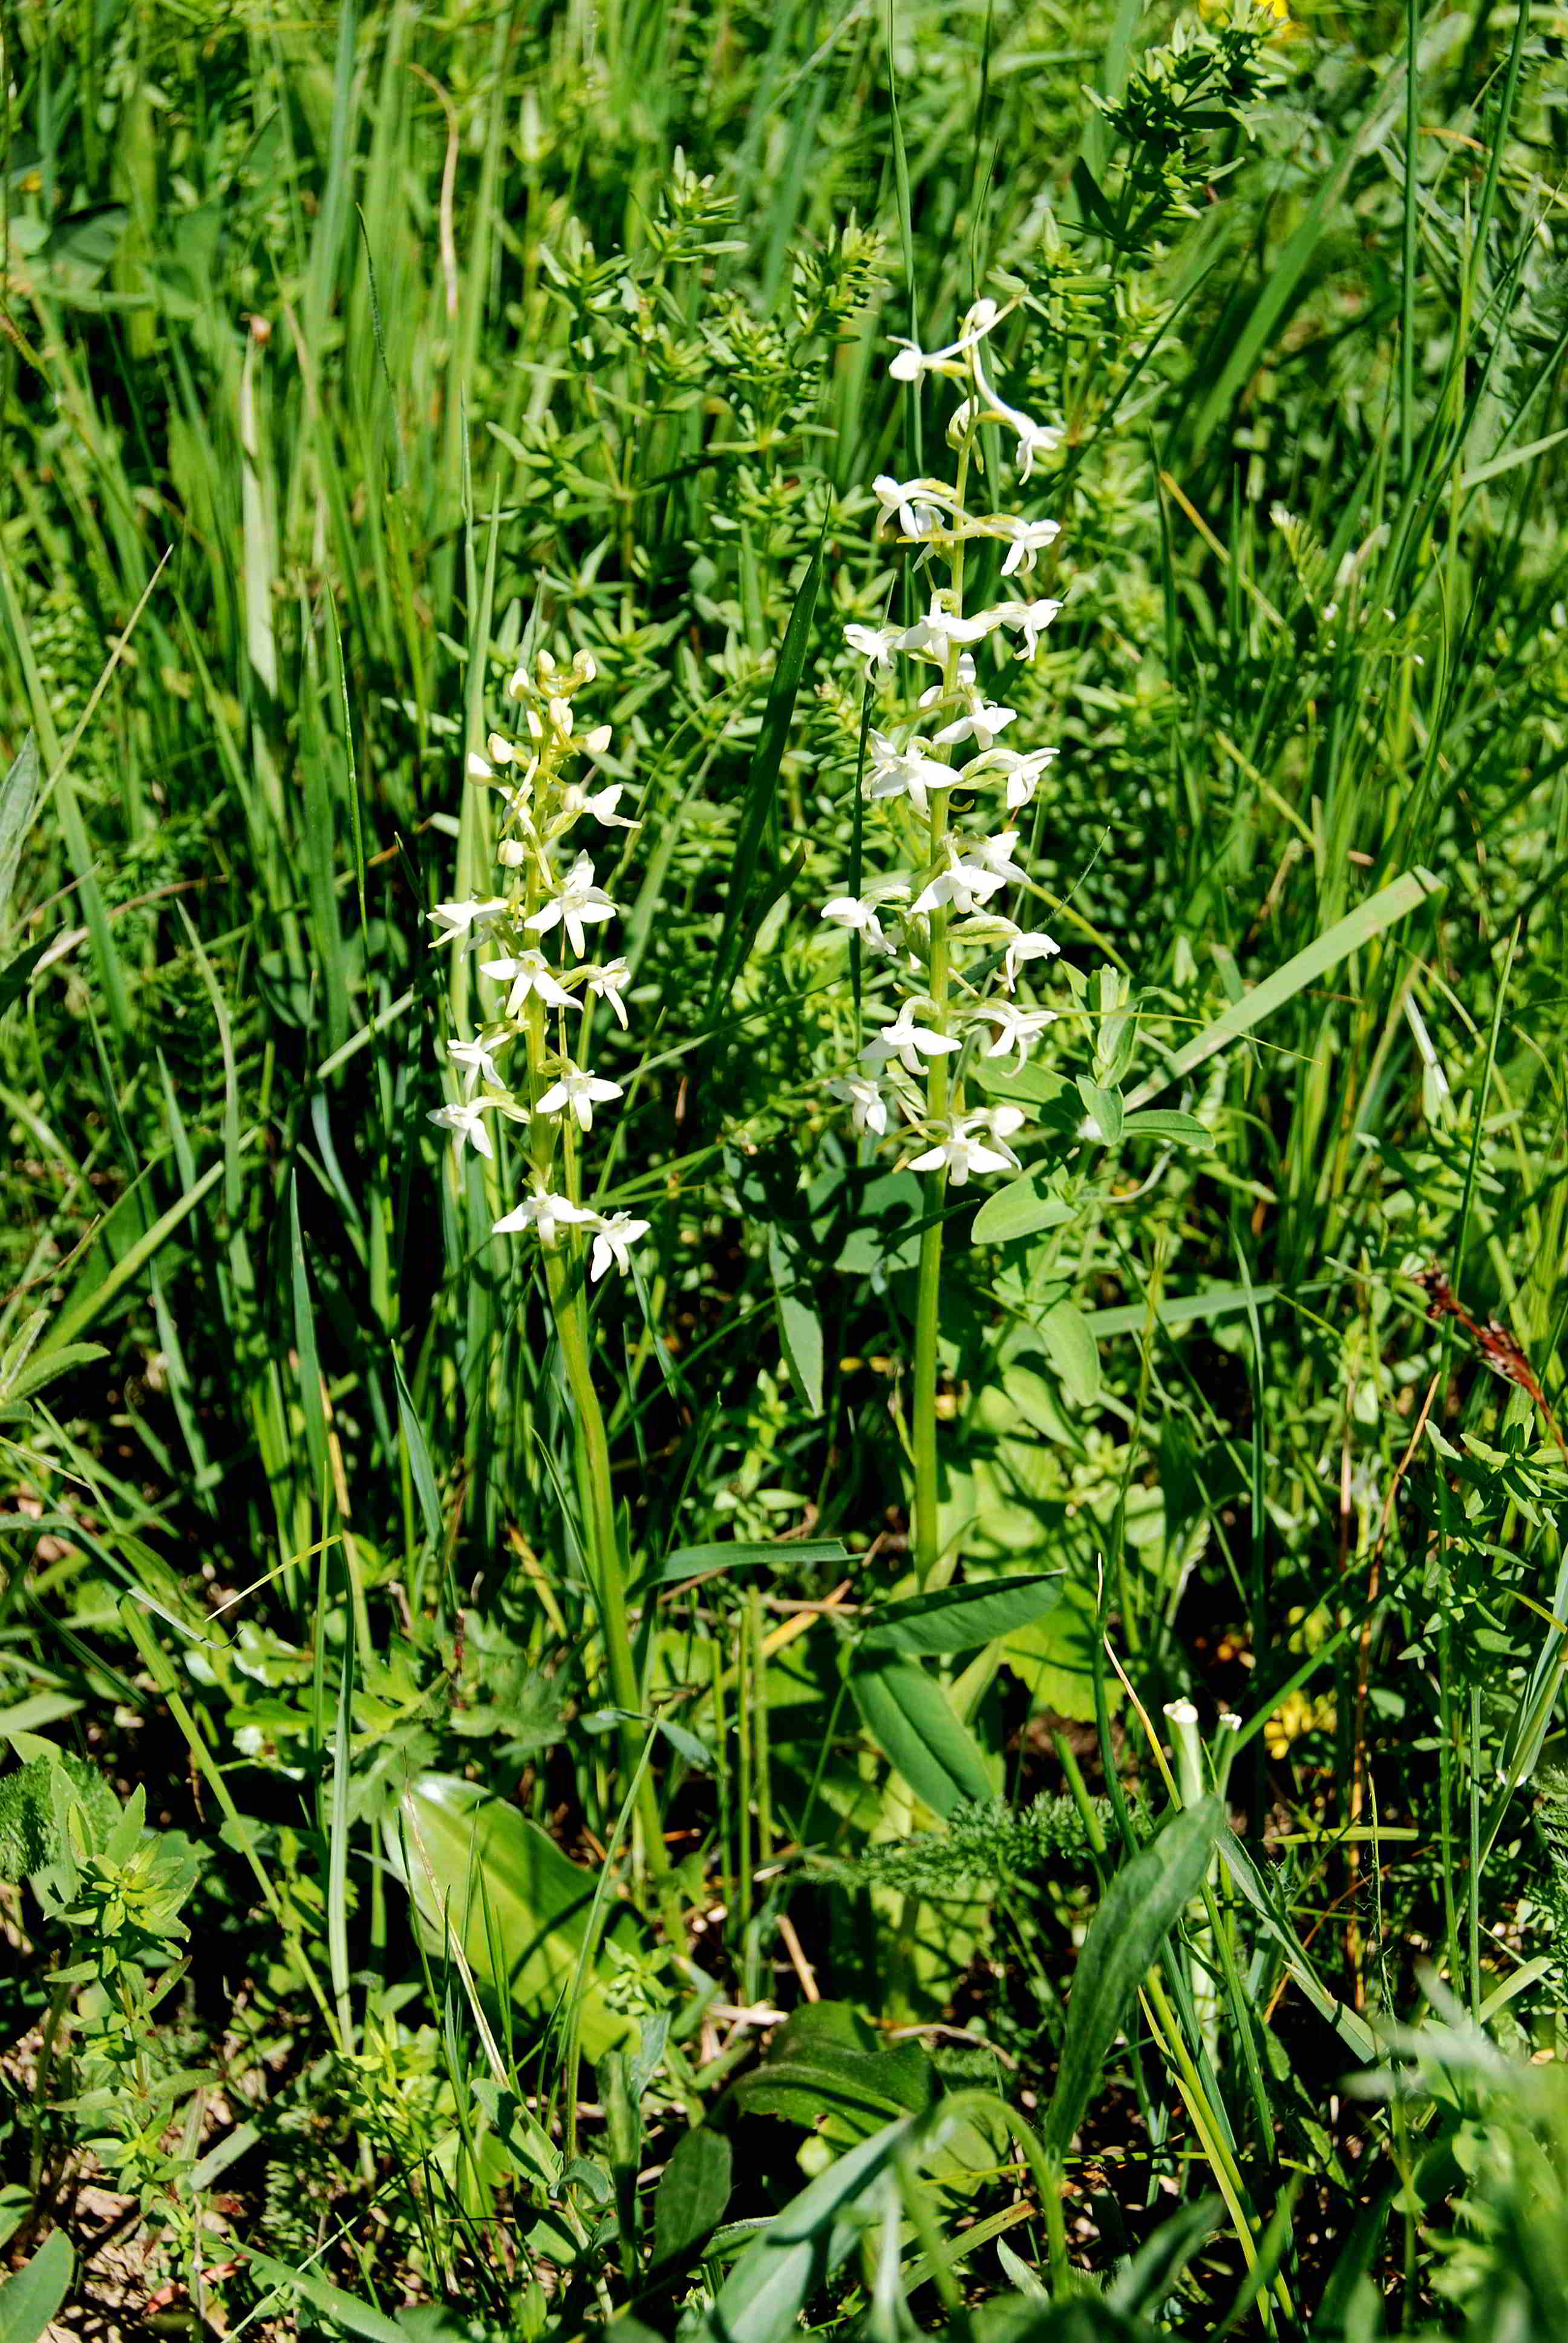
1124 1942
913 1724
961 1618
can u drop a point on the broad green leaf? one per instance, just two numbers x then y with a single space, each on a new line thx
823 2071
1021 1209
1142 1903
1053 1657
1358 927
1165 1122
915 1725
32 2296
961 1618
515 1906
693 2193
762 2298
1069 1343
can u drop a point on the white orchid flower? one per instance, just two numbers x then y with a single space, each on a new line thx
1002 1124
477 1058
958 1151
966 881
542 1212
907 1042
527 972
465 1121
615 1233
1017 1030
858 914
917 505
875 645
981 725
466 921
1022 770
996 853
1026 538
867 1100
577 901
906 772
1021 947
600 803
608 983
911 362
1029 619
934 635
576 1093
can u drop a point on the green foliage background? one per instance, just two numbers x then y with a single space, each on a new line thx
344 353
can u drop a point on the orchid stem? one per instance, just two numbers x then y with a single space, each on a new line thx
609 1579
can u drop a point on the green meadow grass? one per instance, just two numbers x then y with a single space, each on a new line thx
896 1964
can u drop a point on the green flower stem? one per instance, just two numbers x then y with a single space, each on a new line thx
608 1580
928 1545
928 1533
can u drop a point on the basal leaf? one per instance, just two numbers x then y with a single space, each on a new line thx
517 1907
32 2296
693 2191
1142 1903
961 1618
915 1725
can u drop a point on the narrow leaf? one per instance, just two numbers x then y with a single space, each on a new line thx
1165 1122
19 802
762 2298
1395 902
